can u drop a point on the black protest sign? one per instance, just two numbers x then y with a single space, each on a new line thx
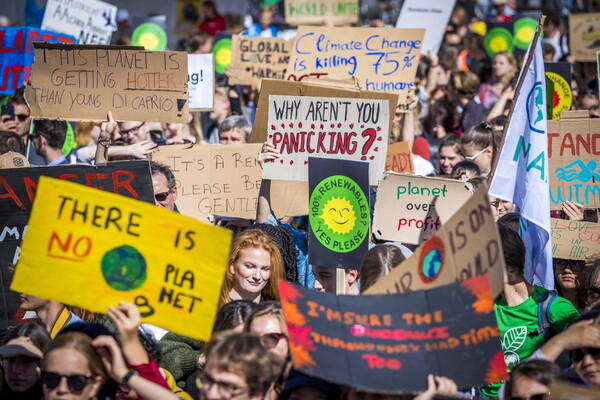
17 191
338 212
390 343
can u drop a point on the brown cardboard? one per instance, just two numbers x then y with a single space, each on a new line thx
84 82
584 40
324 88
399 158
411 208
562 390
468 245
381 59
289 198
253 59
574 240
573 154
304 126
336 12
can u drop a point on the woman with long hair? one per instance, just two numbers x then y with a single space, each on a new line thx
504 69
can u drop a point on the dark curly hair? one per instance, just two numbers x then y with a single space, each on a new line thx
287 248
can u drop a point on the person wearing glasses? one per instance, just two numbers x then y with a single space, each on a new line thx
237 367
133 132
589 290
479 144
268 323
568 275
164 185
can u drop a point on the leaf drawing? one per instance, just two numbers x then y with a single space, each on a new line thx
514 338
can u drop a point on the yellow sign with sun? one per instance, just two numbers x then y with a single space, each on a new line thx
338 215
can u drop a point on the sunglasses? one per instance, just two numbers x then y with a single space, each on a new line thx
271 340
163 196
226 390
578 354
76 383
539 396
575 266
22 117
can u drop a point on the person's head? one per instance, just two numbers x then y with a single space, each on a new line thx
87 132
48 135
504 64
501 207
201 43
71 368
209 10
551 23
463 86
234 130
221 105
233 315
266 17
549 52
325 279
21 355
286 245
475 44
377 263
10 141
450 154
164 185
268 323
530 378
478 145
465 170
235 225
134 132
22 114
587 100
514 253
568 274
255 266
589 292
511 220
237 367
586 360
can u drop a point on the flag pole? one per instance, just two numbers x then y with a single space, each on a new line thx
530 53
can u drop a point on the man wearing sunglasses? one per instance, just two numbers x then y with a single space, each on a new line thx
21 125
164 185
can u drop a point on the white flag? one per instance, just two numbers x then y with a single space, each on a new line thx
522 172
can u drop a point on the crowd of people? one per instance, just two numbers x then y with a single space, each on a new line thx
455 122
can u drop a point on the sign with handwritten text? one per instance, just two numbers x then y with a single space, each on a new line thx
390 343
81 83
411 208
253 59
574 240
573 154
341 128
399 158
381 59
119 249
584 32
466 246
337 12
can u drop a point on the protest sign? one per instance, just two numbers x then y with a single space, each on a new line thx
411 208
584 36
115 249
16 47
188 12
337 12
321 88
17 191
574 240
201 81
81 83
339 214
466 246
399 158
90 21
303 126
564 390
390 343
253 59
150 32
431 15
559 96
573 150
381 59
222 52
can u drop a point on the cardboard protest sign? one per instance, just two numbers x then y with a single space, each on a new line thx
573 157
584 36
390 343
201 81
117 249
563 390
339 214
81 83
18 189
90 21
431 15
559 96
574 240
323 88
16 46
302 126
381 59
337 12
411 208
253 59
466 246
399 158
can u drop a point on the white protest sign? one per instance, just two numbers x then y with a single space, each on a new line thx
433 15
90 21
326 127
201 82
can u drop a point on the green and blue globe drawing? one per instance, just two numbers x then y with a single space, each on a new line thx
124 268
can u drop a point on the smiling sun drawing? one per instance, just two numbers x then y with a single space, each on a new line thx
338 215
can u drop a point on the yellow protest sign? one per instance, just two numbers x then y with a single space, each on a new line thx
92 249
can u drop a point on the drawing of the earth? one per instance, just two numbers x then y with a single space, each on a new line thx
124 268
